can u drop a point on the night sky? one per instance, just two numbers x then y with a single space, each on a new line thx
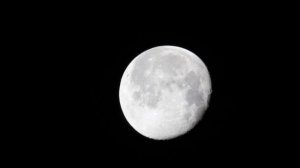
64 66
99 125
83 118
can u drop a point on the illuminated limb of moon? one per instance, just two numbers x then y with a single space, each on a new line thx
164 92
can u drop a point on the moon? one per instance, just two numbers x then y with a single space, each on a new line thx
164 92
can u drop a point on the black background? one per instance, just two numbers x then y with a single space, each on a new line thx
64 66
92 125
78 66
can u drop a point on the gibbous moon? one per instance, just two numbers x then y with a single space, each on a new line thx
164 92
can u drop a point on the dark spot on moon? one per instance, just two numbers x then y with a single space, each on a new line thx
192 80
153 99
194 97
187 116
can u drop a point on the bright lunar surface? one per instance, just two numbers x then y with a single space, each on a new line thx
164 92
